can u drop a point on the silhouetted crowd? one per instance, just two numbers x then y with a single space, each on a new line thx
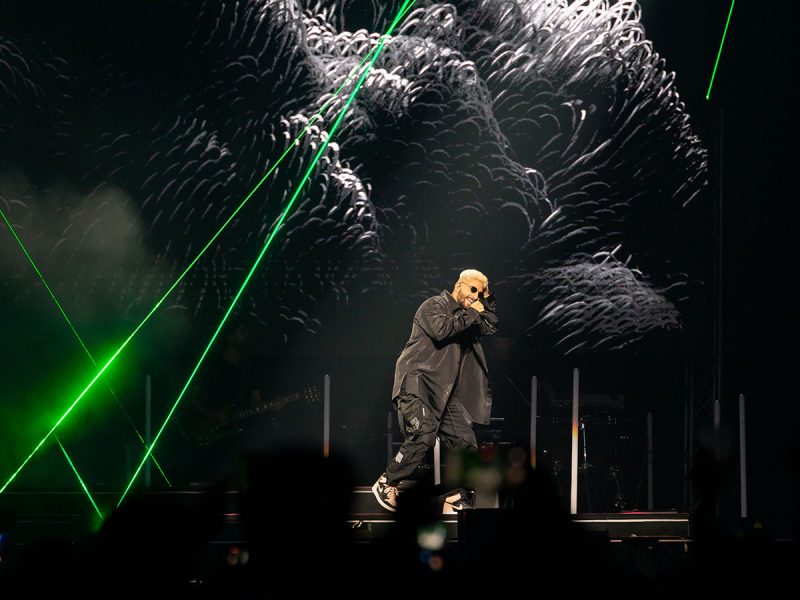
295 510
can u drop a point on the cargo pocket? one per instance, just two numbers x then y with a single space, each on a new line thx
412 411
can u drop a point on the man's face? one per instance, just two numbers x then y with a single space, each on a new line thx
464 294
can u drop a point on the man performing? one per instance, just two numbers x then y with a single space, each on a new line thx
441 382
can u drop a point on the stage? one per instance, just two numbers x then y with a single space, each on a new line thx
28 518
292 245
230 539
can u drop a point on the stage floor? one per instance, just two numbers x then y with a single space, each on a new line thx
28 516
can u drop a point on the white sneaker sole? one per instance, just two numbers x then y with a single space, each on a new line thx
380 500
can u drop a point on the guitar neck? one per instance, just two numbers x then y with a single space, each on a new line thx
266 407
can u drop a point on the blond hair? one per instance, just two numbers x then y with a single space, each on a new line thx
473 274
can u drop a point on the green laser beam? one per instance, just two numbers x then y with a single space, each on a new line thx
21 245
272 235
158 304
719 53
85 489
77 335
39 273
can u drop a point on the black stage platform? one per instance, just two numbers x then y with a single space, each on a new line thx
29 517
33 515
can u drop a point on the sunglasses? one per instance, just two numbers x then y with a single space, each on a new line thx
473 289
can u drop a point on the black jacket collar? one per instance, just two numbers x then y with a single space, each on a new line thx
453 304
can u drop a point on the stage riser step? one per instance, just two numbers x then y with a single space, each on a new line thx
35 515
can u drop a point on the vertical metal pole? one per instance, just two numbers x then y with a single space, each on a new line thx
573 487
718 272
718 392
686 402
742 459
649 461
326 417
717 441
437 462
690 505
534 407
148 426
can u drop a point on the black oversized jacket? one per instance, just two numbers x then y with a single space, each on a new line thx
428 367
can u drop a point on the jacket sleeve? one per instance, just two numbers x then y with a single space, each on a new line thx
440 322
488 318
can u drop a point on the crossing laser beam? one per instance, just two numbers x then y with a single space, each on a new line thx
298 189
191 265
77 336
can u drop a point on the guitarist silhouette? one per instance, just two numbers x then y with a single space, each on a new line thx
229 382
226 414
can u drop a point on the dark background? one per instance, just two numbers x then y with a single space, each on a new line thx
756 102
748 126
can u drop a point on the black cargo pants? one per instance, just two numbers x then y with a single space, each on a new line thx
420 429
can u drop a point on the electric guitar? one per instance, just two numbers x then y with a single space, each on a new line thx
207 432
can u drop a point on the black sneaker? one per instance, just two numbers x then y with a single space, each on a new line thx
385 494
458 499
